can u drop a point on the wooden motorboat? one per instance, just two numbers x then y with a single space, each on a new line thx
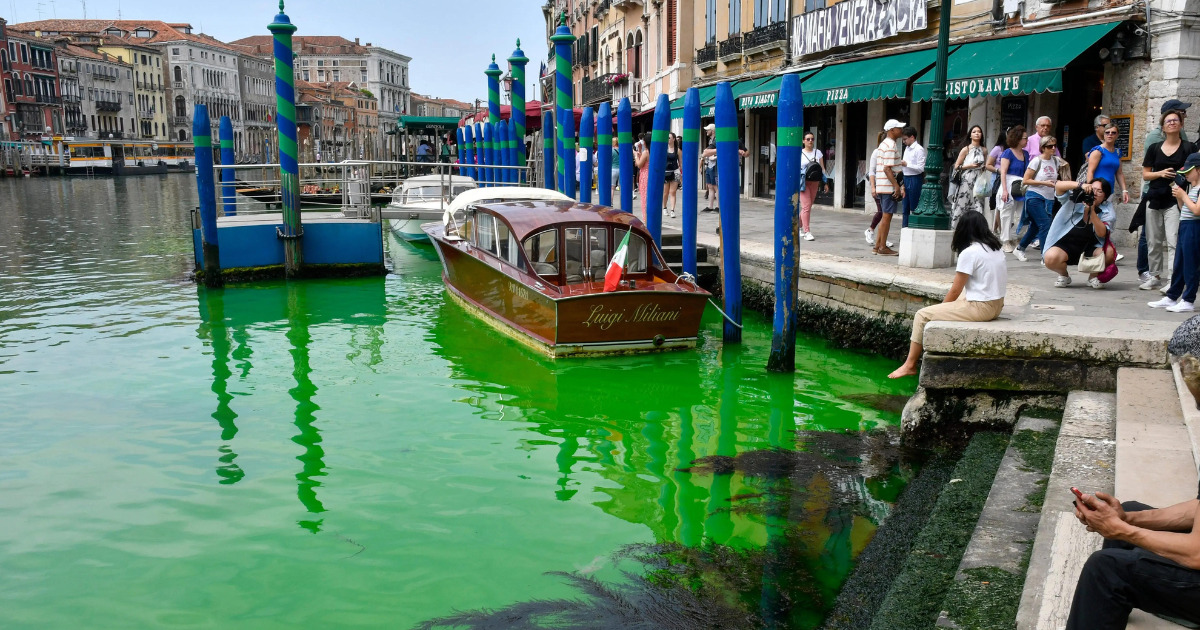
535 270
421 195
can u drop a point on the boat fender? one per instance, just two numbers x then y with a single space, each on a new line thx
659 340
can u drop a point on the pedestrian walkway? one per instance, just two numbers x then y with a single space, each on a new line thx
839 233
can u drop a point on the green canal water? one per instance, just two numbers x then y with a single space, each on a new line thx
362 453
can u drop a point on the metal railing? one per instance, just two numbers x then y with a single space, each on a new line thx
70 98
49 99
102 76
355 188
773 35
707 57
631 89
108 106
146 114
598 90
730 49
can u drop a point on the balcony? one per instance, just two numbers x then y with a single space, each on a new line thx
630 89
32 127
178 85
304 115
48 99
108 106
766 38
70 98
730 49
179 121
76 128
707 57
146 114
100 76
617 4
598 90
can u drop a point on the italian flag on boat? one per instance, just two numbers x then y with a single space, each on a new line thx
616 266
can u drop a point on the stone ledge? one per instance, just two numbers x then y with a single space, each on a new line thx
1092 339
940 371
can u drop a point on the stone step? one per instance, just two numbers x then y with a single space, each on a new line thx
674 253
1083 457
1156 462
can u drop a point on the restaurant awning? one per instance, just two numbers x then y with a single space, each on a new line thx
874 79
427 124
708 94
766 93
1013 65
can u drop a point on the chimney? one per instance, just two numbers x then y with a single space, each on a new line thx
356 41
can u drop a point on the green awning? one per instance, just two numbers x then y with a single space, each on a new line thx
708 94
874 79
1013 65
766 94
427 124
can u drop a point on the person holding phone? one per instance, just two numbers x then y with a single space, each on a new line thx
1159 165
1080 229
887 186
641 161
1185 276
1150 560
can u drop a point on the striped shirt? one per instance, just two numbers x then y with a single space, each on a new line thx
889 157
1185 213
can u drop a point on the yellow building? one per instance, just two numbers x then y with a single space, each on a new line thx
148 114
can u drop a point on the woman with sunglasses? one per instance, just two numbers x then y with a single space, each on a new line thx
1105 161
1040 177
812 169
1162 160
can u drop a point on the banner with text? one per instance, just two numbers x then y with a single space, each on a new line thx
853 22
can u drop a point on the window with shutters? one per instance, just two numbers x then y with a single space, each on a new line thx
735 17
710 21
672 29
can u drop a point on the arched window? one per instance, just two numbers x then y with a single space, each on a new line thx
180 106
629 52
178 74
182 135
636 70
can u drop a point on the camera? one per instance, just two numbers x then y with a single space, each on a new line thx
1084 194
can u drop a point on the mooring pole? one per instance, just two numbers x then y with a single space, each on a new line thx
604 149
689 166
586 124
788 184
493 73
511 158
548 150
289 171
516 64
658 167
462 150
470 138
564 106
228 193
729 195
489 152
625 153
503 147
480 156
206 189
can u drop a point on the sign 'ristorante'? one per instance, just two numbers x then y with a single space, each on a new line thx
853 22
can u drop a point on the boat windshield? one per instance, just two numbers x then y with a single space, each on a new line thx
542 251
430 193
637 255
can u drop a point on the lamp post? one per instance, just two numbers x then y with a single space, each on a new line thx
929 224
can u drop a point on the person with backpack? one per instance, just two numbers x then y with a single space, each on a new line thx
1041 174
812 168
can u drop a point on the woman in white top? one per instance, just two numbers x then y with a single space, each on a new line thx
977 294
812 169
1041 174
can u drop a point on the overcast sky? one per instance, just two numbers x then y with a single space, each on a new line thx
451 42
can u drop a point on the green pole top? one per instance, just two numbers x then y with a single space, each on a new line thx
563 20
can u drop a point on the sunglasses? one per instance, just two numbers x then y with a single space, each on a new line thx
1111 133
1050 146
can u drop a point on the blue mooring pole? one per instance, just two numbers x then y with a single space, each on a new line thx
462 150
514 176
470 138
586 124
548 150
480 156
604 136
502 150
729 195
658 167
564 106
788 182
625 153
228 194
489 153
689 166
206 189
516 64
291 231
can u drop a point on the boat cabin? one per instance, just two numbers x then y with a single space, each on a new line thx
562 242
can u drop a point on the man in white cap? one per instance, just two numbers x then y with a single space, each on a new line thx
710 168
887 188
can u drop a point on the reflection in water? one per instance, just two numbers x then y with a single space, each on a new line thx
313 457
212 327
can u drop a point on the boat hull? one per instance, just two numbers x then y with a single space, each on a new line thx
409 229
587 323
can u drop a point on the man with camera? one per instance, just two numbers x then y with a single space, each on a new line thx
1080 230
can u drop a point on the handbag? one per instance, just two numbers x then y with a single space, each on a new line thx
1064 170
956 177
1092 264
1016 188
982 185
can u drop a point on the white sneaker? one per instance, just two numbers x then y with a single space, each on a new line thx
809 237
1095 283
1165 287
671 213
1020 255
1181 307
1120 256
1149 283
1063 281
1162 303
870 234
1144 276
1036 244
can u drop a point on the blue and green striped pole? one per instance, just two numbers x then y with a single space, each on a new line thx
564 105
517 63
206 189
489 153
480 155
728 194
228 194
493 73
502 151
586 125
470 137
604 138
510 151
658 167
548 150
689 166
462 150
516 149
289 170
788 183
625 153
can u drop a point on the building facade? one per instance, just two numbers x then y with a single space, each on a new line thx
260 138
97 92
387 79
6 86
31 85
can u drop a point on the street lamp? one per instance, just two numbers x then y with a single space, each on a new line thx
929 224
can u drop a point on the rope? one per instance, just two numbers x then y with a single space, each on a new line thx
722 311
